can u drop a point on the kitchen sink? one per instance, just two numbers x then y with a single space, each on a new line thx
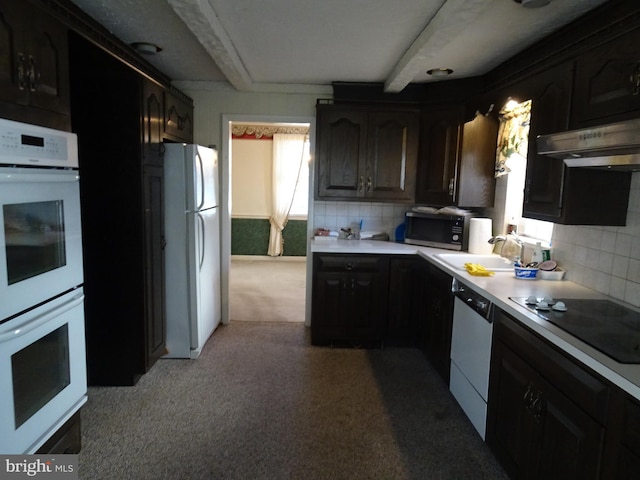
490 262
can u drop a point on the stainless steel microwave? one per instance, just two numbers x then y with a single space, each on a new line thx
437 230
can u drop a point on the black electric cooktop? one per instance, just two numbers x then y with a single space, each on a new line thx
608 327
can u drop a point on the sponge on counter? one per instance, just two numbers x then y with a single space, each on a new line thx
478 270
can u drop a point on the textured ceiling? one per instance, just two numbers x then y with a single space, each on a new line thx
285 44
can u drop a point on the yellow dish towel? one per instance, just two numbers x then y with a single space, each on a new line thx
477 270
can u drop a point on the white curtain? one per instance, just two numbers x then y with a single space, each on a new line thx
288 154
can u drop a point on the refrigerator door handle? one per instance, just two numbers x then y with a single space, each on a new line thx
202 242
201 178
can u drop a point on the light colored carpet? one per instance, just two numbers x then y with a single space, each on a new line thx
267 290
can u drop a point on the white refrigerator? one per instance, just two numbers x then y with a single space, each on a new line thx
192 252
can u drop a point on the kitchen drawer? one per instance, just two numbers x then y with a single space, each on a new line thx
66 440
349 263
582 387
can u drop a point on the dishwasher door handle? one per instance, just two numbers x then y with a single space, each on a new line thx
481 306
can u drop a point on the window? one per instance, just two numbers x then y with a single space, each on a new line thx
512 161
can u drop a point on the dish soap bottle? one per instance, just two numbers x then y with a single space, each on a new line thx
536 256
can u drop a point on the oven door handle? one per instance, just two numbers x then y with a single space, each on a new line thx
23 175
29 325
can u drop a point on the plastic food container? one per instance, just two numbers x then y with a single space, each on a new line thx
556 274
526 273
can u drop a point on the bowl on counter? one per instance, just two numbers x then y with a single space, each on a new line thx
557 274
524 273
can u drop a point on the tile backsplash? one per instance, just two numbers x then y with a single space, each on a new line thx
605 259
376 217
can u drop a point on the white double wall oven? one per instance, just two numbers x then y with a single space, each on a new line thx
43 379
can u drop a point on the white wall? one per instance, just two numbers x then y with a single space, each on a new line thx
251 183
213 99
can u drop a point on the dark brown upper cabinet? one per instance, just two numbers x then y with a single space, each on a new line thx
34 66
456 165
152 115
550 95
440 140
554 192
178 117
607 86
366 153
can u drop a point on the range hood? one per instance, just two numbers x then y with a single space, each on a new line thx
613 146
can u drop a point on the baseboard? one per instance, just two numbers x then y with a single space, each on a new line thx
267 258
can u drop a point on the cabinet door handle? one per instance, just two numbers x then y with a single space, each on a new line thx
348 266
538 407
361 184
368 184
528 396
534 403
32 74
349 286
452 182
635 80
21 72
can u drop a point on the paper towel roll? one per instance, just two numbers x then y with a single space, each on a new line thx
479 234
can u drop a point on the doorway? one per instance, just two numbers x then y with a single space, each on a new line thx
246 281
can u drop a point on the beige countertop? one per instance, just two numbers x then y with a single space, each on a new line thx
498 288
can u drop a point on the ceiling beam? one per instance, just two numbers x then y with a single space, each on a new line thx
202 20
448 23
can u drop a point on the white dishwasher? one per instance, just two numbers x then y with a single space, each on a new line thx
471 353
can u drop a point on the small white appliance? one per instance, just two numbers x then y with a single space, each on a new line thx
471 339
192 252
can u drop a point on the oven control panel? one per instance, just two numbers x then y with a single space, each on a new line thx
25 144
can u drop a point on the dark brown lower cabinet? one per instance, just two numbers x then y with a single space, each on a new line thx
402 321
546 414
349 299
435 311
622 449
154 271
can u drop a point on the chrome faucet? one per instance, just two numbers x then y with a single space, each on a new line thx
507 249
